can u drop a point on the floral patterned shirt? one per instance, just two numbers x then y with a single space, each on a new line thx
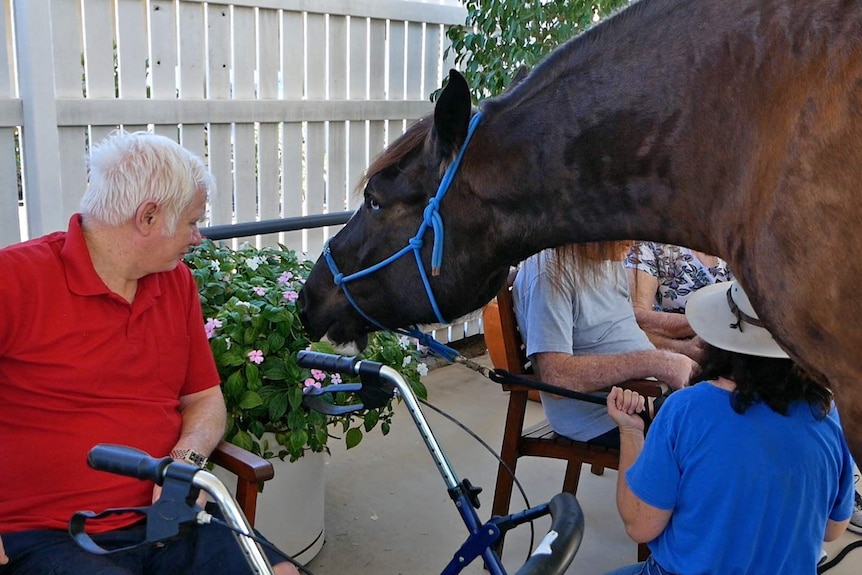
679 272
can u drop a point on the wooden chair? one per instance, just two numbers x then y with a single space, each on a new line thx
507 352
251 471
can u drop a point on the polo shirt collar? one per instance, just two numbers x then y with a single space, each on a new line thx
81 276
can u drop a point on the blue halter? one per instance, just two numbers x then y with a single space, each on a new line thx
431 219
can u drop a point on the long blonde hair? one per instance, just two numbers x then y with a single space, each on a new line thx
585 265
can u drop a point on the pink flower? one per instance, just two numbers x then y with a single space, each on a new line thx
259 290
285 277
290 295
211 326
309 383
318 375
255 356
336 378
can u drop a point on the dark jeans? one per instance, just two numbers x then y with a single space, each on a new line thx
609 439
206 549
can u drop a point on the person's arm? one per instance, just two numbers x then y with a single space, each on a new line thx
642 521
587 373
693 347
3 558
835 529
204 420
665 325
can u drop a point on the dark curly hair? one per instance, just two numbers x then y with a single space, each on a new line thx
774 381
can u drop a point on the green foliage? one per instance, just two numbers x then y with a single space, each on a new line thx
500 36
248 298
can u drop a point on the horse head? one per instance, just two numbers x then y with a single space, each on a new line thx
398 215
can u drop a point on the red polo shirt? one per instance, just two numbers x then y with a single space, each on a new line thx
79 365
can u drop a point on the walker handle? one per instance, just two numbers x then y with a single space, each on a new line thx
557 549
327 362
375 391
128 461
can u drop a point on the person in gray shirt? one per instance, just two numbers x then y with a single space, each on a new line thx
574 310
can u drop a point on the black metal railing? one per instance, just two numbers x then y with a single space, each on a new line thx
228 231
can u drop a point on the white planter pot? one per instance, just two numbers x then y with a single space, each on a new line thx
290 510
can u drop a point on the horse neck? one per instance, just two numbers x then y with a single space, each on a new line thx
560 185
654 126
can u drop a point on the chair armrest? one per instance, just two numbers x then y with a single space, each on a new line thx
251 471
244 464
646 387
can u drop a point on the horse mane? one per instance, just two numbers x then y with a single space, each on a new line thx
554 66
580 48
412 138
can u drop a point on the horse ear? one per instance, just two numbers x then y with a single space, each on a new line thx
452 114
520 76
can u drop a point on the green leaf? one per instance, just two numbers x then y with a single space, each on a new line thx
275 369
298 439
353 437
250 400
276 341
252 376
243 439
371 419
277 406
234 386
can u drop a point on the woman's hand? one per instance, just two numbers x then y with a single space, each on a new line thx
624 405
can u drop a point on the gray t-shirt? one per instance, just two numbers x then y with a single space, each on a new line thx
600 320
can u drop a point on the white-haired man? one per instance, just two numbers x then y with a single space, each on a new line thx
102 341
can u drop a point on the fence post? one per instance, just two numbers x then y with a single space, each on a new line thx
40 140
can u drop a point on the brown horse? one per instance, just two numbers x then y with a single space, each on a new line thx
731 127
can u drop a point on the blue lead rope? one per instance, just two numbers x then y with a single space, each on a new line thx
430 219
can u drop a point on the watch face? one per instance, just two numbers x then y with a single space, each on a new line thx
196 458
190 456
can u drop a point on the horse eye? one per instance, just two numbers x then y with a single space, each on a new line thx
372 203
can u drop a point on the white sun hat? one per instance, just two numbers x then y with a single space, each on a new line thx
723 317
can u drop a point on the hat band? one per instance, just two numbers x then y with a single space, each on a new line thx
741 316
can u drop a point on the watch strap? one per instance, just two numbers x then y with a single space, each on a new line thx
189 456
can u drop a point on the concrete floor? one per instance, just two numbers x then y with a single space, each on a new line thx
387 511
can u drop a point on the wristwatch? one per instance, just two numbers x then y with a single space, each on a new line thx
189 456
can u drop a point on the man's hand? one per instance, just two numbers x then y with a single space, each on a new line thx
624 405
3 558
695 348
677 369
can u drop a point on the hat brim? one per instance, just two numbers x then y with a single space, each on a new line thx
710 317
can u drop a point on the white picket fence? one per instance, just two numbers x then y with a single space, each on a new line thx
288 100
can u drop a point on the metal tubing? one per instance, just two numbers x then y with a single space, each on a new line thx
409 398
234 517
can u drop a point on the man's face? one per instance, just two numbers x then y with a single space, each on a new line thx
169 249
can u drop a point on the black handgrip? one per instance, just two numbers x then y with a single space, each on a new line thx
128 461
557 550
375 391
327 362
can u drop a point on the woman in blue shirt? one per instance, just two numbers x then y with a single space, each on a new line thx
756 445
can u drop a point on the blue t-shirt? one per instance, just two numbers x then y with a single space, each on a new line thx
750 493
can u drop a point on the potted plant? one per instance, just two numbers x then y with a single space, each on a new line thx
249 306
